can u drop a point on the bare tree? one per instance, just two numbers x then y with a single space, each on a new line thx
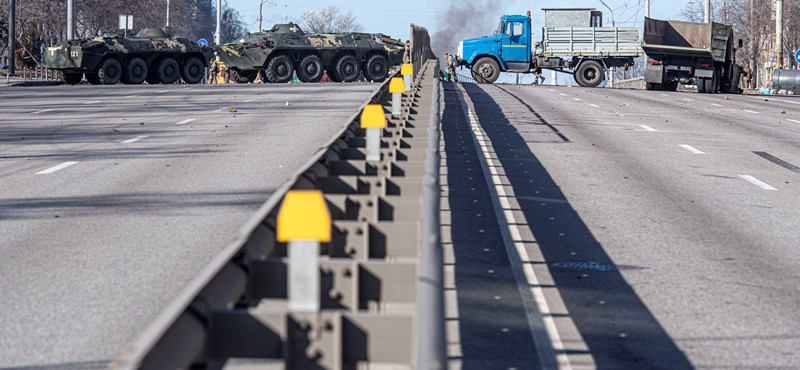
332 20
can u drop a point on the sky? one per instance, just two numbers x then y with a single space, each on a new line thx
394 17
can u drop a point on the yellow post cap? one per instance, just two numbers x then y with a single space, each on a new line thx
397 85
373 117
407 69
304 216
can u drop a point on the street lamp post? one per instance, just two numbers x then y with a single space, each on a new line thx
217 34
167 13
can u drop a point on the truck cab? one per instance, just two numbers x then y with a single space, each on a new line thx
509 48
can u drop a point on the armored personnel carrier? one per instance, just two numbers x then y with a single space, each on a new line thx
153 55
285 49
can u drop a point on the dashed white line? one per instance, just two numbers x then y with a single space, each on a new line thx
750 111
691 149
43 110
687 99
648 128
664 94
562 94
757 182
135 139
131 96
92 102
594 105
248 101
56 168
793 120
716 105
186 121
576 99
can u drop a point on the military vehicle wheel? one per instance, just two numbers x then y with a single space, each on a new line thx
135 72
589 74
93 78
280 69
110 71
72 78
346 68
377 68
486 71
310 69
192 70
167 71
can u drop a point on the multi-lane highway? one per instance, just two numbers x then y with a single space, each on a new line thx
655 230
114 197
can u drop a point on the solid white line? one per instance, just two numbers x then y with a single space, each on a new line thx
92 102
757 182
56 168
795 121
43 110
648 128
750 111
594 105
135 139
691 149
186 121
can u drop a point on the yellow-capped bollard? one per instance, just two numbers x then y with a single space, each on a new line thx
374 121
304 222
397 88
408 73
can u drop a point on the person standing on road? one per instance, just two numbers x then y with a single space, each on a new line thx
451 67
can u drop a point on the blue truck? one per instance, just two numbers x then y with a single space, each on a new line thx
574 41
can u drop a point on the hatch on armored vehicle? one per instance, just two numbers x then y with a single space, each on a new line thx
153 55
285 49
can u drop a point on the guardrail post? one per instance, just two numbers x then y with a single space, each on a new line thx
397 88
304 222
374 121
408 74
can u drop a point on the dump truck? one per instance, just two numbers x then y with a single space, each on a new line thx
153 55
689 53
573 41
285 49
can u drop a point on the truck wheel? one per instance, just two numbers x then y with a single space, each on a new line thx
736 79
167 71
650 86
310 69
346 68
486 71
671 86
377 68
93 78
72 78
280 69
589 74
135 72
701 85
192 70
110 71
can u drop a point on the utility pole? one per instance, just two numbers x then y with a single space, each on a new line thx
779 33
12 32
70 19
217 34
725 11
167 13
708 11
647 8
753 70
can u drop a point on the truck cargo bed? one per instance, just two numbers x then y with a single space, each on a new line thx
592 41
687 38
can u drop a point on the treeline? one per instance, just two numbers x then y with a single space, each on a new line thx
41 23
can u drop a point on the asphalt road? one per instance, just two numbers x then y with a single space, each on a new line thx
113 197
661 227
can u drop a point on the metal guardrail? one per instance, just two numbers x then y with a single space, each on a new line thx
381 272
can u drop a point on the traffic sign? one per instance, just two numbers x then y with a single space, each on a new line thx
202 42
797 56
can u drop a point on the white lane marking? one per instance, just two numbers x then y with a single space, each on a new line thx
750 111
551 90
92 102
56 168
757 182
248 101
594 105
562 94
687 99
186 121
648 128
691 149
135 139
43 110
716 105
538 312
664 94
161 91
576 99
131 96
795 121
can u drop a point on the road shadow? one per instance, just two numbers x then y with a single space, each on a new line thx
619 330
